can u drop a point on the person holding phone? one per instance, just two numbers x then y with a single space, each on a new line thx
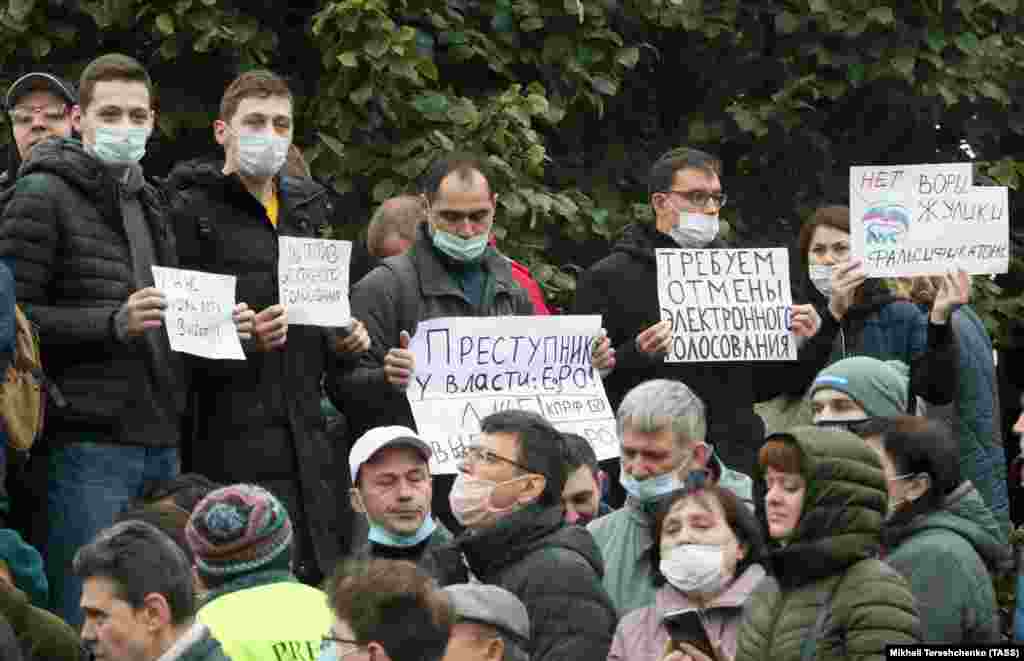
706 567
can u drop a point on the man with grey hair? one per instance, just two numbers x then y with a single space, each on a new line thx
491 624
662 429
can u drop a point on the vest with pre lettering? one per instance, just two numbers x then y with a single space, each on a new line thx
283 620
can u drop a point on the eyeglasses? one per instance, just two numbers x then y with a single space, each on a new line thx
476 454
700 198
23 115
330 651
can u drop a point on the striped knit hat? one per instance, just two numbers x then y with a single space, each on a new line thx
238 529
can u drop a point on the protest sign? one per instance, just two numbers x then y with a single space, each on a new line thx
313 277
726 304
470 367
199 311
908 220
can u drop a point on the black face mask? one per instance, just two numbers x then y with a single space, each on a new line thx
852 426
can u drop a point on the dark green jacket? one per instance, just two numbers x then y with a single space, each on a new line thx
204 648
946 556
41 634
830 562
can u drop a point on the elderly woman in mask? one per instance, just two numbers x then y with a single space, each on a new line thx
860 316
705 563
827 596
936 534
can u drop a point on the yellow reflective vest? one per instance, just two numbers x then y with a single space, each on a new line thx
283 621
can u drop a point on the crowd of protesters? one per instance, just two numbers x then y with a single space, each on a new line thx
180 508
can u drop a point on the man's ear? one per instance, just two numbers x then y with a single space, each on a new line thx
534 488
76 118
377 652
701 455
220 131
356 500
156 612
919 486
495 649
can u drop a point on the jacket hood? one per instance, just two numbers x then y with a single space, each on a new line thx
844 505
641 239
208 174
966 514
523 532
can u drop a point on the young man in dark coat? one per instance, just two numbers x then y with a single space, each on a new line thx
508 495
259 420
686 196
81 232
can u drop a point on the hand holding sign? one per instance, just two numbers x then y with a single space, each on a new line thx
143 310
846 278
603 358
955 291
805 320
655 340
400 363
270 328
354 339
244 319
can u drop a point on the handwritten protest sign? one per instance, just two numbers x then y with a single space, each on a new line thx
470 367
908 220
198 315
726 304
314 280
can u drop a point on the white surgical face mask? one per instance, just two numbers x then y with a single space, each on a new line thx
821 278
261 154
120 144
470 500
694 230
694 568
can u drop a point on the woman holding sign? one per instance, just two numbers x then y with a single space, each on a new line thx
861 317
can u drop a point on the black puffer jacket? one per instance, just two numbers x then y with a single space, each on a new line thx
64 237
623 289
555 570
259 419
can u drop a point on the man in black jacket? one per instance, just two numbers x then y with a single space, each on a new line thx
260 420
686 196
38 106
508 494
82 230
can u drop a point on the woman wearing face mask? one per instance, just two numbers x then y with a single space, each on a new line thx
709 544
860 317
935 535
827 596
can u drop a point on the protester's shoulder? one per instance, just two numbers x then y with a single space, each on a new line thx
61 161
604 526
388 275
901 310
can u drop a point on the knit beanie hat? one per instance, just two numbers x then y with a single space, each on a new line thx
26 566
879 387
238 529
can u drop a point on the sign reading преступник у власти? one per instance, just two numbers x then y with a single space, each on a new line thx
953 651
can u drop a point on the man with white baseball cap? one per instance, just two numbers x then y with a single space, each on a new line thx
391 485
491 624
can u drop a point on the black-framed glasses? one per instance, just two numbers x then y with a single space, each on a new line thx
330 650
700 198
476 454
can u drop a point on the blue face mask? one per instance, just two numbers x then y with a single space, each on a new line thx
378 535
459 249
118 144
651 488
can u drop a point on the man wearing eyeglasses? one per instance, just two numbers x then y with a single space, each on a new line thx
508 494
38 107
686 195
385 610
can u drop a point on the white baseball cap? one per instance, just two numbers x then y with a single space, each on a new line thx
383 437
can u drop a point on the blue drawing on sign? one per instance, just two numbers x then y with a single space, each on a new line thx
886 223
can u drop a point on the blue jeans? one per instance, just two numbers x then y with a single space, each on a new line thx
88 485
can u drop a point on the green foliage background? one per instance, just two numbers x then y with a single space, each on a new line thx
571 100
